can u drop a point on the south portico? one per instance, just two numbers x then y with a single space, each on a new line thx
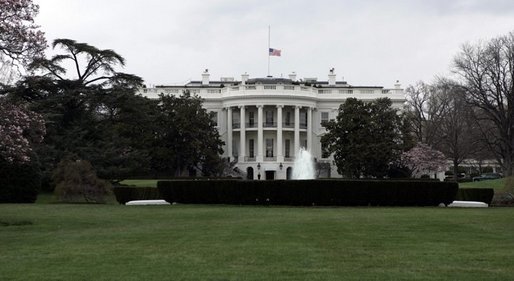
266 136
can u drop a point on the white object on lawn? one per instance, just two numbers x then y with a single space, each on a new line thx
146 202
468 204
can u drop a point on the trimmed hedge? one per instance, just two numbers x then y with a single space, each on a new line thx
475 194
19 183
126 194
309 192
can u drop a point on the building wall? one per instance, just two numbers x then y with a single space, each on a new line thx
310 99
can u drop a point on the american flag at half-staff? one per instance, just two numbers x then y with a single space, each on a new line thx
274 52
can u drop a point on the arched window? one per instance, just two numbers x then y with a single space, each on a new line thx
289 173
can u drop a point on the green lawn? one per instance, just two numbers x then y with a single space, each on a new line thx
497 184
185 242
141 183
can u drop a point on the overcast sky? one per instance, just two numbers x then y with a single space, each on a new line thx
367 42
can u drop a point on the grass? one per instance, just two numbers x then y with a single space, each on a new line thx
496 184
185 242
141 183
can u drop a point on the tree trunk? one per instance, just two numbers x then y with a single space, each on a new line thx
455 170
507 166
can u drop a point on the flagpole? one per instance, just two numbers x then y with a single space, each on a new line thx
269 46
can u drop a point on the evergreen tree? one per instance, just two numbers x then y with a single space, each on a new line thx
365 138
186 138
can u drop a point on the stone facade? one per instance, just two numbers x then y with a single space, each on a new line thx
265 121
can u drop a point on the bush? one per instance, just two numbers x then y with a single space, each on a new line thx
475 194
126 194
76 181
19 183
310 192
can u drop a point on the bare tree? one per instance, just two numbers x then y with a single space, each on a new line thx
457 130
487 70
425 112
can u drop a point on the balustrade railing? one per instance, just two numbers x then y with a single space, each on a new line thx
269 124
285 125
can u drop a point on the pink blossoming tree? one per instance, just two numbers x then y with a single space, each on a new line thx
20 38
20 128
423 159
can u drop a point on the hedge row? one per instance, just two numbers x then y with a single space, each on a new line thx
309 192
476 194
19 183
126 194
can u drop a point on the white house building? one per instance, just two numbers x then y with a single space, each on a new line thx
265 121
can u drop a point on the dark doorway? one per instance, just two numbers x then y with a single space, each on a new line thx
249 173
270 175
289 173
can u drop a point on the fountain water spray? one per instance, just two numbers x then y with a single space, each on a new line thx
303 168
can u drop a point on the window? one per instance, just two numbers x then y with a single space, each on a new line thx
324 117
303 119
287 148
251 119
235 120
214 117
251 148
235 149
323 153
288 118
269 117
269 147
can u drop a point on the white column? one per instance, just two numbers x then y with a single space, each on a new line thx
260 134
229 132
309 129
280 157
242 152
296 129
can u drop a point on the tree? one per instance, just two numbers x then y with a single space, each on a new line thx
422 159
457 130
366 138
91 112
487 72
425 111
76 180
20 39
20 129
187 137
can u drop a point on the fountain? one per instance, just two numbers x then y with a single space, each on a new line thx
303 168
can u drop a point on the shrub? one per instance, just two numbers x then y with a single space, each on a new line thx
19 183
505 197
125 194
310 192
475 194
76 181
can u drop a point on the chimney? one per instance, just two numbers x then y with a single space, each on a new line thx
244 78
205 77
331 77
292 76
